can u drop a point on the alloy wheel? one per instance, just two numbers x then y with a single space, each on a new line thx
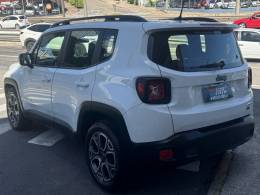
13 109
103 158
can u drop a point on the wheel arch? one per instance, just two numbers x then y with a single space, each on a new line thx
91 112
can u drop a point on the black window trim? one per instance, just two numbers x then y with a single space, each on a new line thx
95 59
58 61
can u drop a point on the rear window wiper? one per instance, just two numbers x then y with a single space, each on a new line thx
220 65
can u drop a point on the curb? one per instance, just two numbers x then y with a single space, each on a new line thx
221 174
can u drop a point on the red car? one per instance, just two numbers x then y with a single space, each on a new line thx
251 22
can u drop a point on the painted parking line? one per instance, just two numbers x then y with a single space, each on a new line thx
47 138
4 127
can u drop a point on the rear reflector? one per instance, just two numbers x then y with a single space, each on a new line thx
166 154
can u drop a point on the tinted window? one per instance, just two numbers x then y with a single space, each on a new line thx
108 45
33 28
81 48
43 27
49 49
194 51
12 18
29 8
250 36
39 28
22 17
257 16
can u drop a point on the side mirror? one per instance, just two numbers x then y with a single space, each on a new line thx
253 18
26 59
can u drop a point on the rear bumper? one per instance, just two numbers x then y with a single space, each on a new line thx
202 142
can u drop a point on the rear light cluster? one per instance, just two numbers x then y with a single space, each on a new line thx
154 90
250 77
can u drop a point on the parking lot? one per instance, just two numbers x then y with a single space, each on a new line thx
28 166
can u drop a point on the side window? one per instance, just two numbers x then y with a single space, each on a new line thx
257 16
250 36
33 28
39 28
49 49
12 18
43 27
108 45
81 48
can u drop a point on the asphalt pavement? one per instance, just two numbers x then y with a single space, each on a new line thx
29 166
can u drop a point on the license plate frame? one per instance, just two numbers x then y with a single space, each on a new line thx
216 92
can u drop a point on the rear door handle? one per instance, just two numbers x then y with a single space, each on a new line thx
240 44
82 84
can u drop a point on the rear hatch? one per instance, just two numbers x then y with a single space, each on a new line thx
209 83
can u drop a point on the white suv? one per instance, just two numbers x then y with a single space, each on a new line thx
160 90
14 21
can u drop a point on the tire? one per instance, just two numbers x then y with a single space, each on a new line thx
17 26
104 158
242 25
14 111
29 45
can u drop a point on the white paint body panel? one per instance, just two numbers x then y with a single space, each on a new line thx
69 90
35 88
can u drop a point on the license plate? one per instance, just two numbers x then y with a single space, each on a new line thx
217 92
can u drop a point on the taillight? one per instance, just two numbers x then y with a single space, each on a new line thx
250 77
154 90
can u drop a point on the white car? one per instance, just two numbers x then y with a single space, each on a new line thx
134 90
14 21
30 34
249 42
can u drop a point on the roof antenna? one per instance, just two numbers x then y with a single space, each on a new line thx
182 6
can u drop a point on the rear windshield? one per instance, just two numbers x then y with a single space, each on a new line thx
195 51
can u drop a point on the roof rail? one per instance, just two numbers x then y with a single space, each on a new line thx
108 18
199 19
